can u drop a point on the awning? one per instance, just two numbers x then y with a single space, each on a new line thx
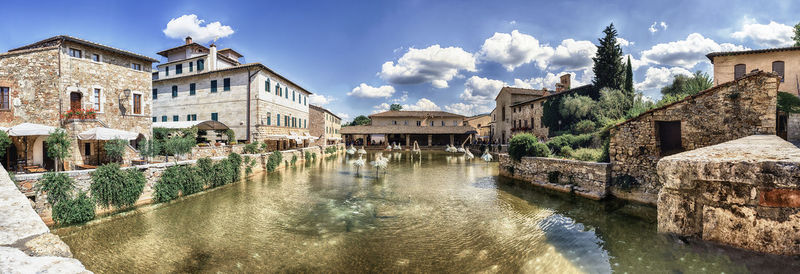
28 129
308 136
295 137
335 138
276 136
102 133
201 125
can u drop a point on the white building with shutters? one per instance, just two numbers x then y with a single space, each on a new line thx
202 83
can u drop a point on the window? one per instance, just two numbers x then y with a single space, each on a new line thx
155 93
286 94
178 68
213 86
431 123
166 71
286 121
777 67
739 71
293 95
266 85
442 122
95 57
137 103
200 64
269 118
305 100
4 98
138 67
194 117
532 123
226 84
75 53
192 89
278 120
164 118
174 91
191 66
214 116
96 99
419 123
405 122
191 117
175 118
394 122
155 119
87 149
277 89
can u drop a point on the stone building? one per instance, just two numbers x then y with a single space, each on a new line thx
729 111
480 123
501 116
427 128
203 83
74 84
324 124
526 117
785 62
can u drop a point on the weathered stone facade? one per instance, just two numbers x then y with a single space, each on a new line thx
744 193
481 124
325 125
526 117
502 115
44 81
585 179
793 127
726 112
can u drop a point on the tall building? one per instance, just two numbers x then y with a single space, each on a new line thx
325 125
199 83
502 123
93 91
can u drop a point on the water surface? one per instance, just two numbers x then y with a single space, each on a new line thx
440 213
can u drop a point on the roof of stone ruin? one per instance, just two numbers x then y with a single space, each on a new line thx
707 92
711 56
86 43
415 114
397 129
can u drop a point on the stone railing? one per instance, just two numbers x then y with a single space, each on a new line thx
744 193
26 244
586 179
26 182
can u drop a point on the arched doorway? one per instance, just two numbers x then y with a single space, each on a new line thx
75 100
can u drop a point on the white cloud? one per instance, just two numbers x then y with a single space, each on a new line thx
659 77
478 89
654 27
515 49
343 115
367 91
433 64
685 53
319 99
770 35
513 22
635 63
402 98
421 104
468 109
548 81
622 42
573 55
190 25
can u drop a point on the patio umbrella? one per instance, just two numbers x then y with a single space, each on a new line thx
29 129
105 134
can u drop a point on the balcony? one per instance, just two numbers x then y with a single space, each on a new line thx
80 114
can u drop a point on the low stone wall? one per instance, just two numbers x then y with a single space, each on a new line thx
744 193
26 244
585 179
26 182
215 151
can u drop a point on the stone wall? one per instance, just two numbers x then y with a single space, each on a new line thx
26 244
726 112
585 179
26 182
744 193
793 127
528 117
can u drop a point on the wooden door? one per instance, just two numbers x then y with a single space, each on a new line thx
74 100
669 135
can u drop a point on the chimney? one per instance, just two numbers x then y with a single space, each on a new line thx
565 83
188 40
212 57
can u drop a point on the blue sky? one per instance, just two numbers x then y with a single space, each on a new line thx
360 56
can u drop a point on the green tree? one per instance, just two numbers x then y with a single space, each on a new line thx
115 149
360 121
230 135
611 105
58 145
576 106
396 107
525 144
796 37
608 61
149 148
178 146
628 87
5 141
788 102
684 85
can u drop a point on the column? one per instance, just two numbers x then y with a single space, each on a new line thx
430 140
452 140
408 139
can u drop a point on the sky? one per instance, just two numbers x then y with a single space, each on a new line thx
358 57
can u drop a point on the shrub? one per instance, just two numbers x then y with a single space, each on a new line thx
230 135
330 150
220 174
74 211
249 163
584 126
178 145
313 156
235 160
57 186
274 160
525 144
115 149
5 141
565 151
194 181
587 154
576 106
169 186
251 148
264 147
573 141
149 148
205 167
112 186
787 102
294 158
307 156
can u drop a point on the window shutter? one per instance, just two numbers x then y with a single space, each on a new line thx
739 71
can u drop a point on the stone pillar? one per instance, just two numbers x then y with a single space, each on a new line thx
430 140
452 140
408 139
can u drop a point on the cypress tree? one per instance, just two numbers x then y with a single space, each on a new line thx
628 88
608 61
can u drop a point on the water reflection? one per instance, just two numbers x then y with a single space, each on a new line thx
434 213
